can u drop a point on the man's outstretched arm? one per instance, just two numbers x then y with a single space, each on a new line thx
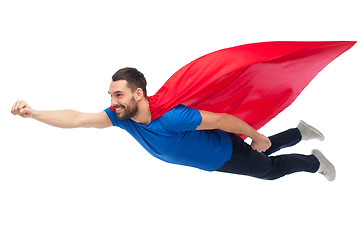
62 118
229 123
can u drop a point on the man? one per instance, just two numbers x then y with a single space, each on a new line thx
191 137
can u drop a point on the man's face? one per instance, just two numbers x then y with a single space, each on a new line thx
123 99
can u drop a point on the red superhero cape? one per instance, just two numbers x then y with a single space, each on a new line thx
253 82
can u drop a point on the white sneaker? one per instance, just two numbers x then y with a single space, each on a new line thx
309 132
326 168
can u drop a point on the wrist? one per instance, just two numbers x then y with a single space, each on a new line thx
34 114
256 136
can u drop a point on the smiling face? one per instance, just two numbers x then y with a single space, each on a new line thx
123 99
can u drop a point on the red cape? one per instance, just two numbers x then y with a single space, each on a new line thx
253 82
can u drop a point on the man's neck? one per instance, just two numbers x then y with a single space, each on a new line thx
143 115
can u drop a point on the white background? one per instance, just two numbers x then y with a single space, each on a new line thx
100 184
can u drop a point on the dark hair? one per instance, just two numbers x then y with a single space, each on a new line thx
134 78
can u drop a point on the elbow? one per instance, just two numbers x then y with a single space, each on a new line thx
76 121
221 121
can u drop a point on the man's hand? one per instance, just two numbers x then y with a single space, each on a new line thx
261 143
22 109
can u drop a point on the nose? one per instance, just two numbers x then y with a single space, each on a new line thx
114 102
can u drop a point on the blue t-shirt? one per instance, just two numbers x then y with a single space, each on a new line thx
173 138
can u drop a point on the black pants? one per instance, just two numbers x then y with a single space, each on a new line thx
246 161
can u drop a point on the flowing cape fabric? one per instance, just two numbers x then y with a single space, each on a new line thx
253 82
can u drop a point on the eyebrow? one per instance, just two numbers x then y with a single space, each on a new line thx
115 92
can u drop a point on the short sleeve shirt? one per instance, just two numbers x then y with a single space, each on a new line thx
173 138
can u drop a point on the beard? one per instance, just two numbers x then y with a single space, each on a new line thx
127 112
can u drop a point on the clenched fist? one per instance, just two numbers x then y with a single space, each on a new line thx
261 143
22 109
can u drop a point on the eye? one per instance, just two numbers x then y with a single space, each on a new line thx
118 94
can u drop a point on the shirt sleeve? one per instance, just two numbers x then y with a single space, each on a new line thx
182 119
113 118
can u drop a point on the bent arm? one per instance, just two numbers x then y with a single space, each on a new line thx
229 123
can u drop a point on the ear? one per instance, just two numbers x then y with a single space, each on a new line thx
139 94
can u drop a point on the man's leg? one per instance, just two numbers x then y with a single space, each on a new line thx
284 139
246 161
293 136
